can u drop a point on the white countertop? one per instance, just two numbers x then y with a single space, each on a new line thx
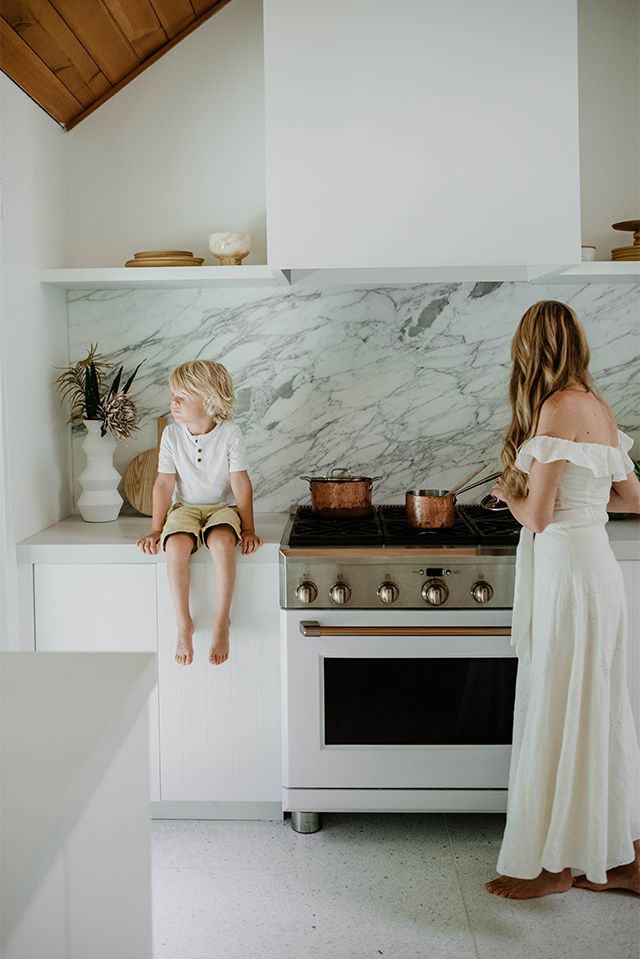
74 541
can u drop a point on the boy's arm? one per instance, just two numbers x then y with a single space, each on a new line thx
162 493
243 493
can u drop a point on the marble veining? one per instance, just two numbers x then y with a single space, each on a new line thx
405 382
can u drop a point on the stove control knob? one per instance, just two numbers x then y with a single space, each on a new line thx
340 593
482 592
435 592
306 593
388 593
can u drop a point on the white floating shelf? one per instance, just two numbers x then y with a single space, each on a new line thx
401 276
604 271
162 277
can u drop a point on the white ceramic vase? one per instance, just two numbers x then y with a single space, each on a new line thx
100 501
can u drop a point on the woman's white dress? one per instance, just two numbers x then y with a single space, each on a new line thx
574 782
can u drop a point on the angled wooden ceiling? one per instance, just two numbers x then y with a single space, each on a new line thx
70 56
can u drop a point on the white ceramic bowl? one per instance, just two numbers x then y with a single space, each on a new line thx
230 248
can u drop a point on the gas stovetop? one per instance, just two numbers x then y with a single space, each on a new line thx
387 526
379 561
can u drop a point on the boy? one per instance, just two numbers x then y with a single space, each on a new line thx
202 496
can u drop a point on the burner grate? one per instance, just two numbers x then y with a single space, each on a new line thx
388 526
312 529
398 531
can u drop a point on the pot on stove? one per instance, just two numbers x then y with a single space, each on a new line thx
341 493
436 508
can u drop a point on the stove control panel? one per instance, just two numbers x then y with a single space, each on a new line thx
435 592
327 582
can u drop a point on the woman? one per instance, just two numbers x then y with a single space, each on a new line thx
574 783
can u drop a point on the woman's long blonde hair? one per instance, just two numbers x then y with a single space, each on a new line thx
549 353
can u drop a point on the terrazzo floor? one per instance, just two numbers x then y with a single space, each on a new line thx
365 886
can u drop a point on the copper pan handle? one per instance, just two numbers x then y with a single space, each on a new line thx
312 628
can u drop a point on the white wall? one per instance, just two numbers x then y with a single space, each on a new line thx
177 154
34 335
608 69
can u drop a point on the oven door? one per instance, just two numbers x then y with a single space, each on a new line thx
397 700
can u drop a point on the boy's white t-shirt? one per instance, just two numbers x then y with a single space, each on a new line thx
202 463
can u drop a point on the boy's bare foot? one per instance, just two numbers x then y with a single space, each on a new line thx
543 885
219 652
622 877
184 644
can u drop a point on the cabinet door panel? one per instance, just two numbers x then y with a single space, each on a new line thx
220 724
103 608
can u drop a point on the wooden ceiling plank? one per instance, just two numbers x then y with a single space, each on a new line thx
25 68
152 59
100 36
139 23
201 6
49 37
174 15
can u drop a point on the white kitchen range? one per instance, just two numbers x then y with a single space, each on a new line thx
398 676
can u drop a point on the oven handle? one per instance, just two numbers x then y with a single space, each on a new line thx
310 627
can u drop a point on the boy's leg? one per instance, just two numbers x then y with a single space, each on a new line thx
221 542
178 548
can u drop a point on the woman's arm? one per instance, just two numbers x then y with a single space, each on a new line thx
535 510
625 495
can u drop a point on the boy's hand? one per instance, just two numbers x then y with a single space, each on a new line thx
149 544
250 541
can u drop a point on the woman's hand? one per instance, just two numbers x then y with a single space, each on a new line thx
250 541
149 544
499 491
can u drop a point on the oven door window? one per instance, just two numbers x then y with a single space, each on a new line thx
422 701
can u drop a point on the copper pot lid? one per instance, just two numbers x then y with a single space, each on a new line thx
341 475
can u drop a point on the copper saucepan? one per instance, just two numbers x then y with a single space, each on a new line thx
436 508
341 493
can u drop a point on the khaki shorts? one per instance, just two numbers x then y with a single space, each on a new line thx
198 520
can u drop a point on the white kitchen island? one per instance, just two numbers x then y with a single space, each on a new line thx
214 731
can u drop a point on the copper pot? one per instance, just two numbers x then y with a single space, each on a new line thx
430 508
340 493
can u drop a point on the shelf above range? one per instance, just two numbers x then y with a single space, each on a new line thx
203 277
174 277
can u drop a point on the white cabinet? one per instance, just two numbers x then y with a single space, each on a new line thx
214 730
631 573
421 134
220 725
100 608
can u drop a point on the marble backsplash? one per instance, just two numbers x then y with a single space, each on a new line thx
409 383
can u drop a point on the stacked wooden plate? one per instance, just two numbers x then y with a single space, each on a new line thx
165 258
627 252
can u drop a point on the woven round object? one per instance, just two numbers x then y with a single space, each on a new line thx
144 254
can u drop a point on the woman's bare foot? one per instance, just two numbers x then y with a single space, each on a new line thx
219 652
622 877
184 644
543 885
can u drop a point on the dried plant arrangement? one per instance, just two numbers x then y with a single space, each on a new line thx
83 386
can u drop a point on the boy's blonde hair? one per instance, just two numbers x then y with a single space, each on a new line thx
209 380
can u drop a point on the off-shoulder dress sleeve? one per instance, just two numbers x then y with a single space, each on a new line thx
613 461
